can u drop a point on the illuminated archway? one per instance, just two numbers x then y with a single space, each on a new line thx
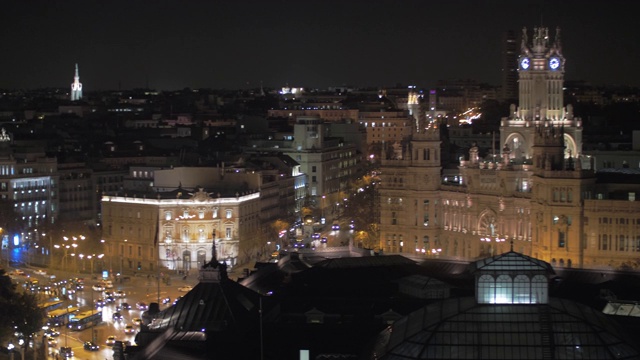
517 145
570 147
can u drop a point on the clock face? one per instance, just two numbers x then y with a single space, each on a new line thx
554 63
524 63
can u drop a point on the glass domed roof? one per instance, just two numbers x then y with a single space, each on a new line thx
463 329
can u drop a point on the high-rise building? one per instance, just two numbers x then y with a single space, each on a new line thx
76 87
509 69
538 193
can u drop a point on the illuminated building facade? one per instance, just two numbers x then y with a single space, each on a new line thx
539 192
177 230
76 86
28 182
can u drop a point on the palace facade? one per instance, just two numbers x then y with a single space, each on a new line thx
538 195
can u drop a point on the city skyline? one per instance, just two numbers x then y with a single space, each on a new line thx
168 45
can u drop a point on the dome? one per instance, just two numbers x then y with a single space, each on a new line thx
463 329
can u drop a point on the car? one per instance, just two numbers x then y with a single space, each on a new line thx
323 240
66 352
120 294
52 342
141 305
176 300
18 272
109 299
108 293
315 236
100 303
97 287
111 340
136 321
108 284
166 300
185 288
117 316
125 306
51 332
128 329
335 226
91 346
40 272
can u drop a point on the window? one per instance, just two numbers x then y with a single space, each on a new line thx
621 243
167 215
394 221
228 233
561 239
139 251
313 168
215 213
229 212
313 179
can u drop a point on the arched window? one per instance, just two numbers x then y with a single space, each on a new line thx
521 290
504 290
539 290
486 289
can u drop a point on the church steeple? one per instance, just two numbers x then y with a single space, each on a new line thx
76 86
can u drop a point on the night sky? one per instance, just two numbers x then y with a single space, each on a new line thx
234 44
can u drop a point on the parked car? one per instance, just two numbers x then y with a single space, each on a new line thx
185 288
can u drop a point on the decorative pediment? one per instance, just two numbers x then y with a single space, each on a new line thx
200 195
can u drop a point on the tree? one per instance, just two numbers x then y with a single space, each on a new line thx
20 311
277 227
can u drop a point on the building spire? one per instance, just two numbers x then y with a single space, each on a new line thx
76 86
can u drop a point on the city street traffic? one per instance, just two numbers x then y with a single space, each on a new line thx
121 307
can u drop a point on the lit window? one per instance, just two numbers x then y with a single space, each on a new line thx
229 212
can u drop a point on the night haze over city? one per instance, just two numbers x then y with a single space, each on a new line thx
170 45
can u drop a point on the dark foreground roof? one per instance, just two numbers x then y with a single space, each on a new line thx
462 329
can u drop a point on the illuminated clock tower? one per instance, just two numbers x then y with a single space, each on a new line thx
541 68
76 87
